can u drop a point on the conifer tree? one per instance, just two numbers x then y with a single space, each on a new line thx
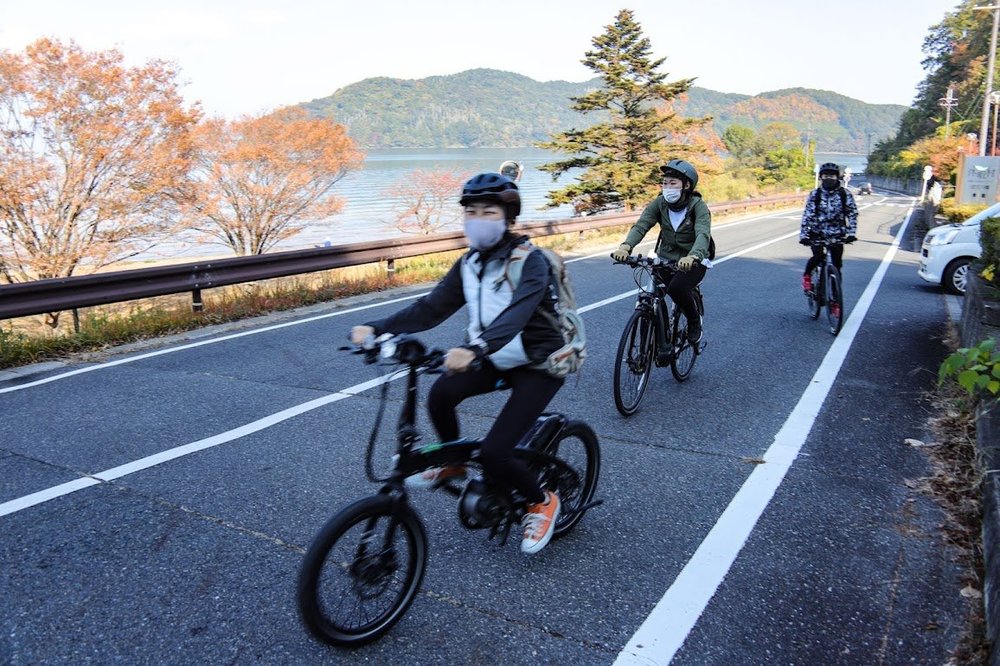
620 155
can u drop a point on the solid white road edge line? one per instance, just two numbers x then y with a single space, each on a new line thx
666 628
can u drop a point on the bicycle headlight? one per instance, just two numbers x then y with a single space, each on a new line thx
944 237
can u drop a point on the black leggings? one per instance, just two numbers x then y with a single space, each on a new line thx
681 286
530 393
836 254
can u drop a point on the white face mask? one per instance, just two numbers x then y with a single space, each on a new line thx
672 194
483 234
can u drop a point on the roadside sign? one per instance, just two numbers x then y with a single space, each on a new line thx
928 172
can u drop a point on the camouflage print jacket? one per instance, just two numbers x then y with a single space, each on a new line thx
833 219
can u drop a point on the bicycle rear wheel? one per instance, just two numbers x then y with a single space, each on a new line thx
812 297
575 445
684 355
834 300
634 362
362 571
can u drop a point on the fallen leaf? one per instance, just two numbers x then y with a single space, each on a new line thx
970 592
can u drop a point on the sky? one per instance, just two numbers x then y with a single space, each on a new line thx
248 57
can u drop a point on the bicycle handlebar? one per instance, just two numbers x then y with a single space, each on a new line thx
403 348
636 261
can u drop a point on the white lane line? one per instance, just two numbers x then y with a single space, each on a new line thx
715 262
161 352
21 503
27 501
15 505
212 341
171 454
666 628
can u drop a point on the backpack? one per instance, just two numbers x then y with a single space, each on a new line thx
843 203
570 356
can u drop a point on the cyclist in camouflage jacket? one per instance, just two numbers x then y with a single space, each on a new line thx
830 218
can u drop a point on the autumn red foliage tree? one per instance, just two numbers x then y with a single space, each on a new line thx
93 155
426 201
260 180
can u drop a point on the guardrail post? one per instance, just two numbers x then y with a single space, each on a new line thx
196 303
76 320
391 267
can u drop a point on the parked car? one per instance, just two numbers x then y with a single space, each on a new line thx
865 188
948 250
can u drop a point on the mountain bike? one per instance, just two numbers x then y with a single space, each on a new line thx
364 567
655 335
827 290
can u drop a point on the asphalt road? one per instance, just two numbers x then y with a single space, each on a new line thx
155 504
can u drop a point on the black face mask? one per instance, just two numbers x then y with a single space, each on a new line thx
830 183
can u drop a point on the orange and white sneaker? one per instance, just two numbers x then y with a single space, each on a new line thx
540 523
436 476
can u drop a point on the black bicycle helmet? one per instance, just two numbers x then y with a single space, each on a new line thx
829 167
681 169
494 188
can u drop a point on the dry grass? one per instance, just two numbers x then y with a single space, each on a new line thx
955 483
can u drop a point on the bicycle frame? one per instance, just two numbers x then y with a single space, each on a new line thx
653 298
410 458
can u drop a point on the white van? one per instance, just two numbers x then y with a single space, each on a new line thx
948 250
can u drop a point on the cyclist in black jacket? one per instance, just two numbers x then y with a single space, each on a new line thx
508 332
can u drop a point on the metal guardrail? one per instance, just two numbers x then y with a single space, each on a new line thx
56 295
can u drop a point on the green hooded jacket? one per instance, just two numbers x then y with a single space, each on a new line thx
693 236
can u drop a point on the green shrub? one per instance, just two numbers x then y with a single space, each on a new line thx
975 369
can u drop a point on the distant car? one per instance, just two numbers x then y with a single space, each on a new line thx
865 188
948 250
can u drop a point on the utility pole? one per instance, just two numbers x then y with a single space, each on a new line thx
984 126
949 102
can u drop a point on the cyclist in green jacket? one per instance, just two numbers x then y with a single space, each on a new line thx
685 236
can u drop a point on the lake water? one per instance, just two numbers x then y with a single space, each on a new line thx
368 206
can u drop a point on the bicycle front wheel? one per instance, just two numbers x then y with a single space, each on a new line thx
812 297
634 362
362 571
834 301
684 355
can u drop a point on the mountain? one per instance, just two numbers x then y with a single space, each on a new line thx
488 107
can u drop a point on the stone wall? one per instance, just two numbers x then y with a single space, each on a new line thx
978 317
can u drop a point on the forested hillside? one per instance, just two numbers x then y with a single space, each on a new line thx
486 107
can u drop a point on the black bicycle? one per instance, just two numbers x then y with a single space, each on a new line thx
365 566
655 335
827 290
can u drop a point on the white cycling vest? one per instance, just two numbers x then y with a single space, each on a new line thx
486 300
